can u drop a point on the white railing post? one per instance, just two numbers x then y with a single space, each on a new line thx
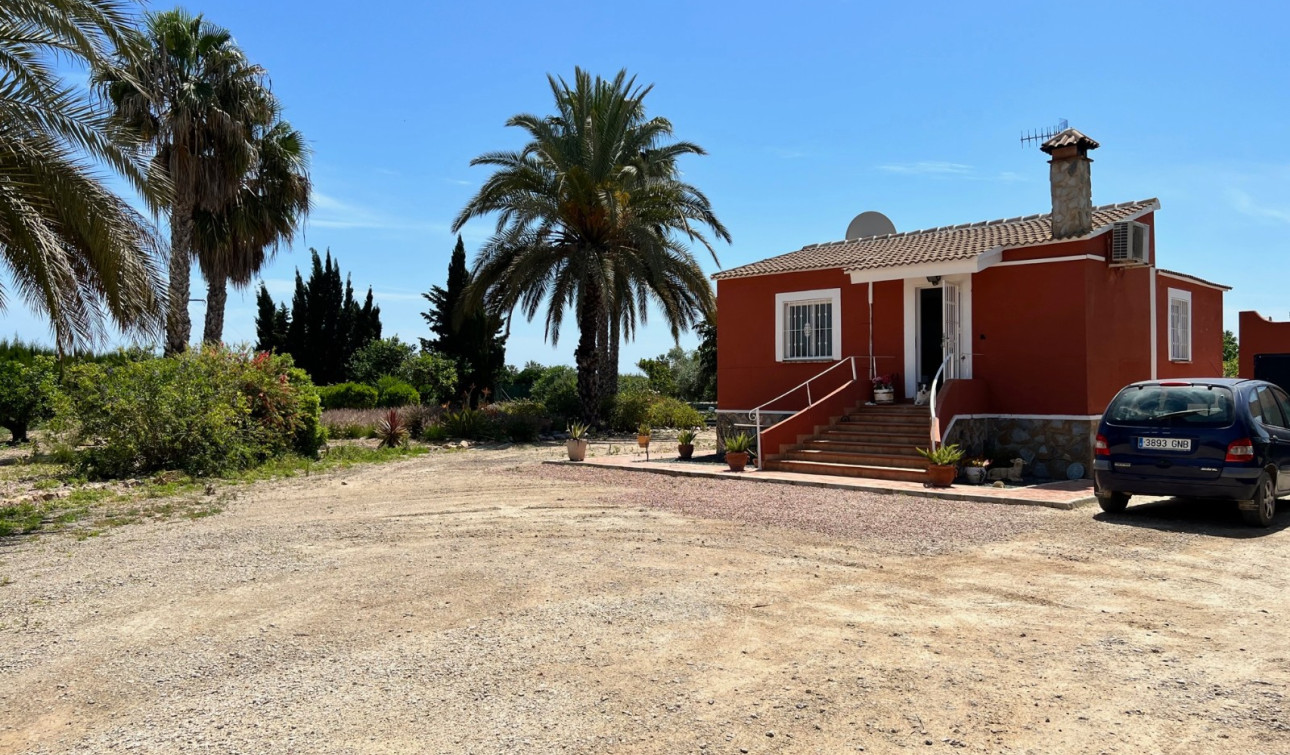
931 401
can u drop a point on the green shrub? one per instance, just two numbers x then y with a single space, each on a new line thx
633 384
630 411
522 421
348 396
433 375
395 393
557 389
27 392
671 412
418 418
471 424
435 433
202 412
386 356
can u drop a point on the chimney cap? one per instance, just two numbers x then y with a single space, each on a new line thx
1069 138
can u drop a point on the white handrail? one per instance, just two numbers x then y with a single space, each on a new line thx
756 413
931 400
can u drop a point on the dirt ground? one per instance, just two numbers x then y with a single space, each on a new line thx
479 602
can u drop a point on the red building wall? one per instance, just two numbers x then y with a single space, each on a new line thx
1260 335
1206 330
747 371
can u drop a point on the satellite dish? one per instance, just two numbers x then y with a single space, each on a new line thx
869 224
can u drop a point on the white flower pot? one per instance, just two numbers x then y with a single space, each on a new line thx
884 395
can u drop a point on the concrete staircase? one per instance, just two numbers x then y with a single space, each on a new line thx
877 442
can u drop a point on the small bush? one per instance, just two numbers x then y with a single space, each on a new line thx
671 412
394 393
522 421
418 418
631 410
391 430
435 433
348 396
557 389
27 392
471 424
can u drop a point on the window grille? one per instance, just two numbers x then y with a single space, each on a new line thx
808 330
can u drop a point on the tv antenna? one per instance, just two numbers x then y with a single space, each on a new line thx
1044 134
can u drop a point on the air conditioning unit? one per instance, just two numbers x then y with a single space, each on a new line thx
1129 243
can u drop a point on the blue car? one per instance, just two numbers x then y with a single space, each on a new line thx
1225 439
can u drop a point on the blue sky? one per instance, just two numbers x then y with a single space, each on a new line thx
811 113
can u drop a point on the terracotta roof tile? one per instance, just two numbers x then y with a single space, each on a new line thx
1177 274
945 244
1068 138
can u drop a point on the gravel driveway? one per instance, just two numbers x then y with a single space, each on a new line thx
480 602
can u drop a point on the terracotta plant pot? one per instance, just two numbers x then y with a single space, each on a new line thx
642 440
577 448
685 450
941 477
736 460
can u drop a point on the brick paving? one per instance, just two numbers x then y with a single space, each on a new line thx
1064 494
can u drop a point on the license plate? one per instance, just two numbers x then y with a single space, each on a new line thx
1164 444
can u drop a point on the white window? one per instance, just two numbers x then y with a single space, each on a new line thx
807 325
1179 325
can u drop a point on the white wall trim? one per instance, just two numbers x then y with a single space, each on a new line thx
1155 325
1192 281
1047 260
834 295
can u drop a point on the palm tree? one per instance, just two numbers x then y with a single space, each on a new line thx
234 243
75 251
194 98
592 215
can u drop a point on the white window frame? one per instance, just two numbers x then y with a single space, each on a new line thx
1179 337
782 302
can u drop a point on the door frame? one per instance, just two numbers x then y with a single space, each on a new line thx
964 282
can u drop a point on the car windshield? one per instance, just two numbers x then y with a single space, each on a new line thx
1174 405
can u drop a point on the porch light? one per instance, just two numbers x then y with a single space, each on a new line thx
935 280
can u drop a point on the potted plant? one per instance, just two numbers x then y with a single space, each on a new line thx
737 451
941 462
685 444
642 435
883 390
577 442
974 470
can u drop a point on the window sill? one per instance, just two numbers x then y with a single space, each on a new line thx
809 360
1180 361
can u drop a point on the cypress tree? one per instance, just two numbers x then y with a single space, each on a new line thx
266 333
473 340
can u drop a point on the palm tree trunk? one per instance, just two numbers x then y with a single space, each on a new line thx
178 325
609 385
587 355
216 299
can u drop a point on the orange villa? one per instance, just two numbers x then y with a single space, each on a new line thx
1019 330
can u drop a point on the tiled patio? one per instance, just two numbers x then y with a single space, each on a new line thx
1066 494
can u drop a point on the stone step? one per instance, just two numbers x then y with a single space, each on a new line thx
859 459
886 421
848 470
825 444
876 437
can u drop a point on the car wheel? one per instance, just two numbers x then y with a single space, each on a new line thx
1113 503
1265 503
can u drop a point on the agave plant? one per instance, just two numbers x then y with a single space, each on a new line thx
686 437
392 431
577 430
